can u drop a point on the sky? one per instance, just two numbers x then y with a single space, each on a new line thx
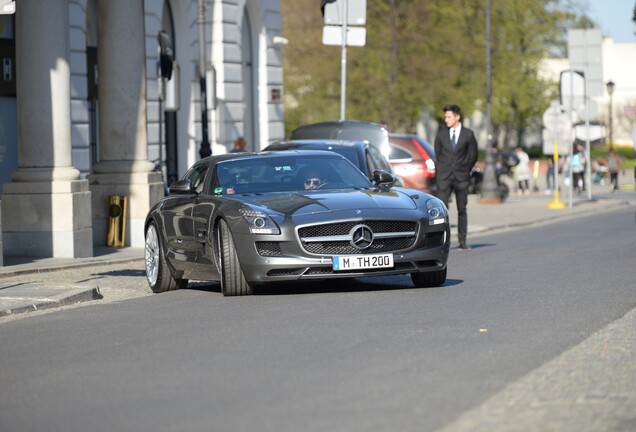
614 18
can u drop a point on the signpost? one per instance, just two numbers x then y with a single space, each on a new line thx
339 16
7 7
556 135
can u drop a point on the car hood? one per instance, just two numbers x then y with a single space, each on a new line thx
298 204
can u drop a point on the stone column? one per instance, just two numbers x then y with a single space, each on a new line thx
123 168
46 207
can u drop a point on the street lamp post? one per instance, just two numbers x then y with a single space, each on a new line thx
205 149
610 91
489 187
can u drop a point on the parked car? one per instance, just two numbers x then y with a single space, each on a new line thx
247 219
413 159
374 133
362 154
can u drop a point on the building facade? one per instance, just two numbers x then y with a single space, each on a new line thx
85 115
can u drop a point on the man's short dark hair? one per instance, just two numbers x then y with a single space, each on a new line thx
454 108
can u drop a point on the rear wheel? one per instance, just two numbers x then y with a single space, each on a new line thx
429 279
157 272
233 282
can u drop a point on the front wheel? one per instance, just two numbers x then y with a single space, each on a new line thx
429 279
233 282
157 272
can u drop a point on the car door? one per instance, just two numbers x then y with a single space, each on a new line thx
178 217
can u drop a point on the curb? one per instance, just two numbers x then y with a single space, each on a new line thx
66 297
52 268
584 211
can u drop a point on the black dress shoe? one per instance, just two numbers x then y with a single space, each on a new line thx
464 247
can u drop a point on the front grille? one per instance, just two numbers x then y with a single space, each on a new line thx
399 235
345 248
269 249
344 228
284 272
403 267
434 239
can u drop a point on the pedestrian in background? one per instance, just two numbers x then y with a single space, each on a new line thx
522 172
614 165
456 153
577 164
239 145
549 176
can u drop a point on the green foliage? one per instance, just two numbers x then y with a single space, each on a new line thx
600 152
421 55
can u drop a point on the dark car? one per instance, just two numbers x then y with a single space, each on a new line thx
362 154
374 133
247 219
413 159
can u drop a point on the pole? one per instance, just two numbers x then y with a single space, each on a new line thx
611 129
588 168
343 62
571 142
205 149
489 187
588 152
556 204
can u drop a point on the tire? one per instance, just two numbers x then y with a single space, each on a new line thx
429 279
233 282
157 272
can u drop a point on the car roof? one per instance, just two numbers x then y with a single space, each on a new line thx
315 143
375 133
265 154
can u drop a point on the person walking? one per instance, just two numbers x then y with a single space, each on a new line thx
577 165
550 178
456 153
522 172
614 165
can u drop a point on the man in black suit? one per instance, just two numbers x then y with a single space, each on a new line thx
456 154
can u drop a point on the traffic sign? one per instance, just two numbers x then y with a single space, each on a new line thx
356 12
555 117
588 112
560 139
572 86
332 35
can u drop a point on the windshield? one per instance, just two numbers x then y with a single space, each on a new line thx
284 173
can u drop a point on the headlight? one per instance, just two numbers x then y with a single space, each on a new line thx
259 222
437 213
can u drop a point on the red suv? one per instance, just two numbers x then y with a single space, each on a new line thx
413 159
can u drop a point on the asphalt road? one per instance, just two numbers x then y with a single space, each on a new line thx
370 355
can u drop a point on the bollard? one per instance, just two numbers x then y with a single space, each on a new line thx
116 221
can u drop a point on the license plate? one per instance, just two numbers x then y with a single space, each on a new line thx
361 262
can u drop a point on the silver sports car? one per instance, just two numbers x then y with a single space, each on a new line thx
248 219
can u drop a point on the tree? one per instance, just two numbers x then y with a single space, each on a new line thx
420 56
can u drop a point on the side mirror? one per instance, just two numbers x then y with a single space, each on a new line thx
383 178
181 187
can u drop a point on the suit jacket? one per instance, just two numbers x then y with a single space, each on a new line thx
455 165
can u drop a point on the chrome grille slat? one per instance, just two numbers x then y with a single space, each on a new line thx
335 238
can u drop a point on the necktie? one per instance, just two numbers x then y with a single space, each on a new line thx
453 139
